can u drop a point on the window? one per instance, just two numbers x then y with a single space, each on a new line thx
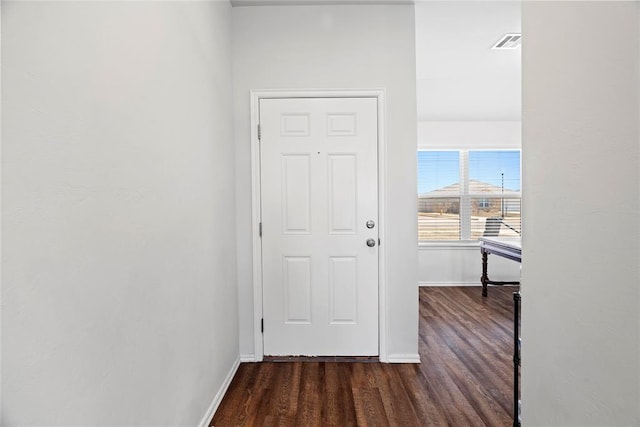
484 204
467 194
439 209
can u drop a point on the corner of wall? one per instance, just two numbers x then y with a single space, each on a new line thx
217 399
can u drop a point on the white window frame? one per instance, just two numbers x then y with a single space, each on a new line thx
466 197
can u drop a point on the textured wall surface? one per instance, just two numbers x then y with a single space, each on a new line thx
118 281
581 236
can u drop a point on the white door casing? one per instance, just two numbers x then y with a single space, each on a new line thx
319 188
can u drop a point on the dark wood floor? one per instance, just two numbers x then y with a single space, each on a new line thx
465 378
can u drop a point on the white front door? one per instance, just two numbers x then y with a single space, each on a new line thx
319 181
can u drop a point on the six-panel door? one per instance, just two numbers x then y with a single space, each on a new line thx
319 184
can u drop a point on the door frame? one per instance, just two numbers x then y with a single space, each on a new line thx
256 208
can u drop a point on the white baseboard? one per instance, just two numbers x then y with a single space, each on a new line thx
436 284
403 358
248 358
204 422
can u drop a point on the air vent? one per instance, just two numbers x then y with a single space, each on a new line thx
508 41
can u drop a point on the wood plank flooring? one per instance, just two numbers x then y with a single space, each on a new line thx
465 378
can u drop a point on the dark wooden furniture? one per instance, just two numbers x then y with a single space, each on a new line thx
505 247
509 248
492 227
517 343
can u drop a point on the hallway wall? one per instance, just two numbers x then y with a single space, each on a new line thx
119 300
336 47
581 236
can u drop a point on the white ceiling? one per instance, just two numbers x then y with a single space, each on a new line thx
459 76
315 2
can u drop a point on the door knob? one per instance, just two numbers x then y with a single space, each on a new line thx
371 224
371 243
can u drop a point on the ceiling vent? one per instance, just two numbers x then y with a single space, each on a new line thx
508 41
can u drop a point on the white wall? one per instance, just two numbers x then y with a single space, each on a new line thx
460 264
581 260
119 300
470 135
319 47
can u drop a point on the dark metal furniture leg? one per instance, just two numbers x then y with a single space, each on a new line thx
485 275
516 359
484 279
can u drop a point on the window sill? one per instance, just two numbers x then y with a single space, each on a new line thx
462 244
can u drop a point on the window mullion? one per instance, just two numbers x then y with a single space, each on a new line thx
465 199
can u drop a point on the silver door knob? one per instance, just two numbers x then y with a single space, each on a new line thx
371 243
371 224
